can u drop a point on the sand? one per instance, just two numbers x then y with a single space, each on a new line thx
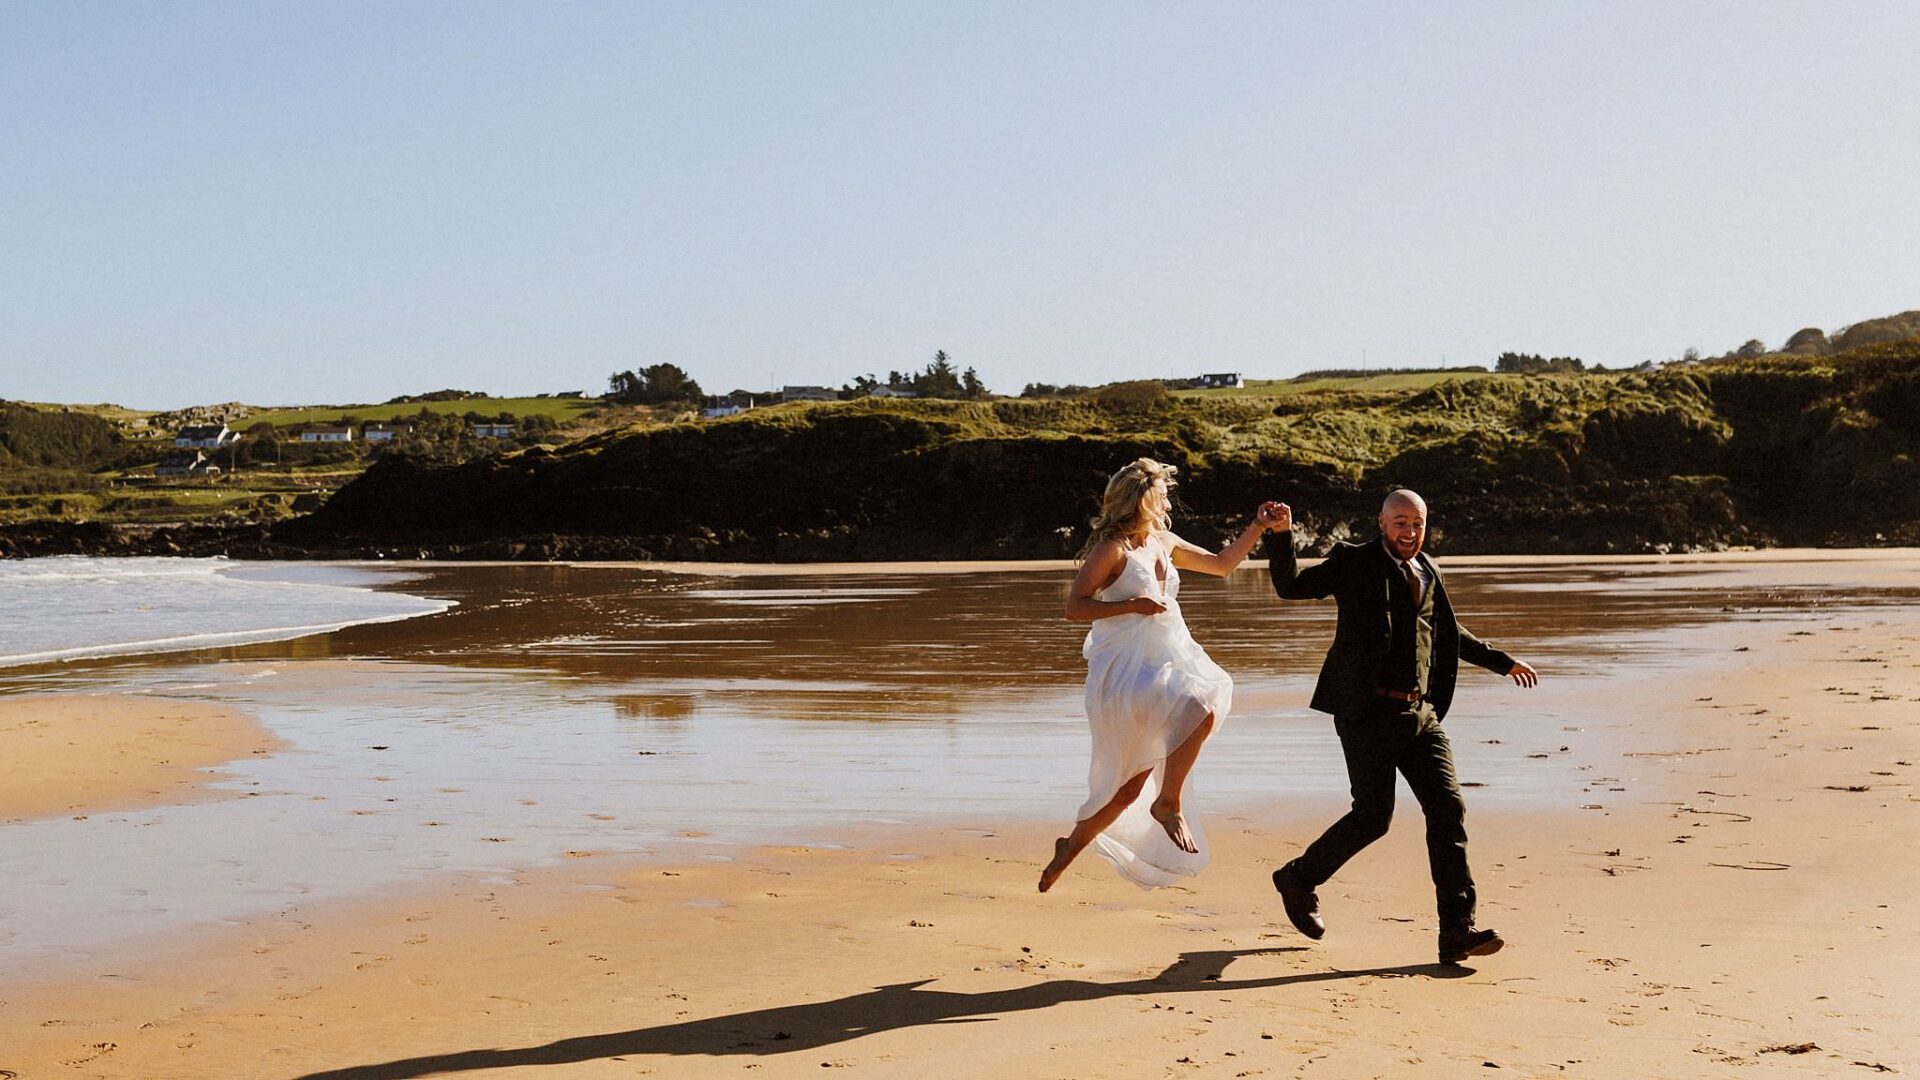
82 754
1734 894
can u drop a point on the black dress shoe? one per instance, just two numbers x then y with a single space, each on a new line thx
1303 906
1457 945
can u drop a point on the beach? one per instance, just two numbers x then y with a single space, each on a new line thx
1694 835
62 754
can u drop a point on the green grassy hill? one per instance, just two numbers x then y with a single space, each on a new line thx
1794 448
1778 450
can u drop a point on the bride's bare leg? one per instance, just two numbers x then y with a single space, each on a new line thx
1166 808
1068 848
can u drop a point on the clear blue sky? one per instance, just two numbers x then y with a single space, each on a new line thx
328 202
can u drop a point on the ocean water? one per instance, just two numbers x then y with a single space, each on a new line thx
72 607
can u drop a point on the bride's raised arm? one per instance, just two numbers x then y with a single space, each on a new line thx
1189 556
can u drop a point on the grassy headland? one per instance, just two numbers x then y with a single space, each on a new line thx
1778 449
1775 450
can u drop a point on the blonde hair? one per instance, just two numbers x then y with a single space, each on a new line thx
1126 503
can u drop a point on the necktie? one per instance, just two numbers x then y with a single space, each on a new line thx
1413 581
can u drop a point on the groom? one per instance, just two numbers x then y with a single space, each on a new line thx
1388 680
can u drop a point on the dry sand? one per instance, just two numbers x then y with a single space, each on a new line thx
1736 897
79 753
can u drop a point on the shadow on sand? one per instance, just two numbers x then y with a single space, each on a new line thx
788 1028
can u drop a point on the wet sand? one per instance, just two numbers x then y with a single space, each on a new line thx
1750 557
1711 875
83 754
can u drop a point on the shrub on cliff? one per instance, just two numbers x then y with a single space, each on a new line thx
43 437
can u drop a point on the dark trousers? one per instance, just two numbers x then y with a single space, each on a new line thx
1397 737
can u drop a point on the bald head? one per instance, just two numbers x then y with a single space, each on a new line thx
1403 523
1403 499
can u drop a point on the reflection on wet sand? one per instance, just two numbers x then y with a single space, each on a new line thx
961 634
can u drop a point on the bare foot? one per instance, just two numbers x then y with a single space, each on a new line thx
1057 867
1171 820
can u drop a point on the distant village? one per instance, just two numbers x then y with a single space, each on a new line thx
192 442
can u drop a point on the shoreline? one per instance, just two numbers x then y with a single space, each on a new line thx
1768 556
1867 558
256 543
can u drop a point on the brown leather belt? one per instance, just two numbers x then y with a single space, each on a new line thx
1400 695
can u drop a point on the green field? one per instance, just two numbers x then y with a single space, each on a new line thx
561 410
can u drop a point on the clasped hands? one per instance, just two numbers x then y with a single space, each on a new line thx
1274 516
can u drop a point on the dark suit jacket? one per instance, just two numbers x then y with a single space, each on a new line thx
1361 579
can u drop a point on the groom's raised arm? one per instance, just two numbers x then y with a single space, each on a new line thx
1289 581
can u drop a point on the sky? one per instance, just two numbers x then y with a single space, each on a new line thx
344 202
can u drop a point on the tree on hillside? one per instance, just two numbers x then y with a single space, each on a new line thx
1535 364
971 387
657 384
625 388
939 380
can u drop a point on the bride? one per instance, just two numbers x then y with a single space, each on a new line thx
1153 695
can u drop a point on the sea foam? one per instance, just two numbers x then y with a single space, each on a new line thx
72 607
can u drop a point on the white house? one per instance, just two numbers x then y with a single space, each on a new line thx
186 464
327 433
888 391
384 432
809 393
1227 379
491 429
205 435
733 404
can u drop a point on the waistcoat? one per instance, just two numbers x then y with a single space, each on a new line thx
1410 650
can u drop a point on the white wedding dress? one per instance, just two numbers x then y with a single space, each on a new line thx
1149 685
